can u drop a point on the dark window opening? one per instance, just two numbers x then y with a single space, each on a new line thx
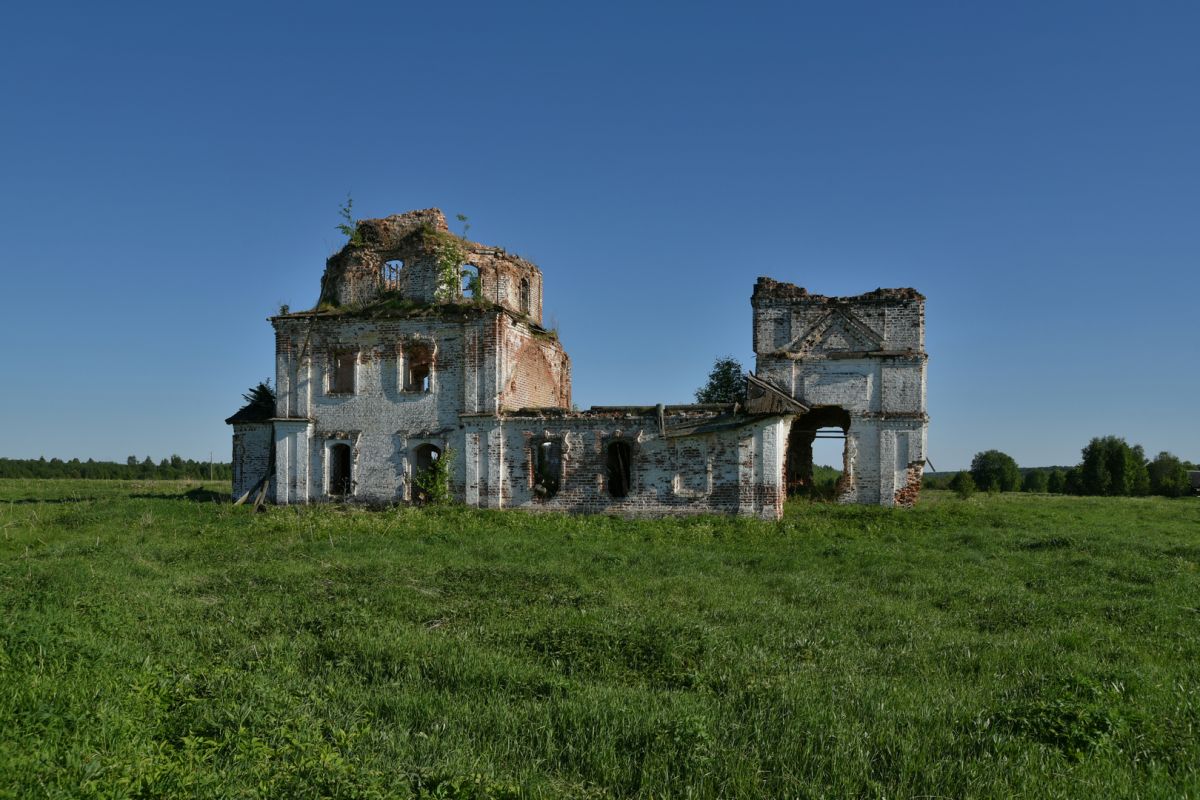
419 371
339 470
424 457
547 469
342 381
782 331
617 467
524 289
470 282
391 275
827 428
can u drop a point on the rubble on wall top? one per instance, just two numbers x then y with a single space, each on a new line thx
398 232
387 232
770 289
414 257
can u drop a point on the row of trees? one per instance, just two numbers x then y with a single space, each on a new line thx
1110 467
260 403
174 468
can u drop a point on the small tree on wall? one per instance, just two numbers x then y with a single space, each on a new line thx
348 226
726 383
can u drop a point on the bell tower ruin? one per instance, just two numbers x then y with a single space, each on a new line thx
857 364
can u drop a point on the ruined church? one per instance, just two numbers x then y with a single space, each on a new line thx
427 348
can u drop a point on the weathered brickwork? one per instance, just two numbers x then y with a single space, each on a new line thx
857 363
397 367
400 254
385 417
686 460
251 454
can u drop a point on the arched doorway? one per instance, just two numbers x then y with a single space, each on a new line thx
826 422
425 457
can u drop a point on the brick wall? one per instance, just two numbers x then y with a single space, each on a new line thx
732 471
251 455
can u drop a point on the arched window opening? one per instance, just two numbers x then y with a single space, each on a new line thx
391 275
425 456
547 468
618 468
339 470
418 373
524 295
470 282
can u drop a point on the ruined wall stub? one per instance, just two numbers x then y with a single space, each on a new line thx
858 363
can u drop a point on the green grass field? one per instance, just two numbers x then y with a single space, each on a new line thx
158 642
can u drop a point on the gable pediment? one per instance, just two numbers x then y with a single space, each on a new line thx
764 397
836 331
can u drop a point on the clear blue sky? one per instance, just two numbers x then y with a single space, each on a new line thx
171 173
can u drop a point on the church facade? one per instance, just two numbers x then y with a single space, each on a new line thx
426 354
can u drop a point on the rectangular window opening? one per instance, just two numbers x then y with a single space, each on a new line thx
547 468
342 380
391 275
418 377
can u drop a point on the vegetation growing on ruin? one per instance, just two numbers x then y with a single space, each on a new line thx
348 227
449 254
158 642
538 332
433 483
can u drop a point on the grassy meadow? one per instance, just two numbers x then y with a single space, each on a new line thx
157 642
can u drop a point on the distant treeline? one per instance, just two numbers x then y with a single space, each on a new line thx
169 469
1110 467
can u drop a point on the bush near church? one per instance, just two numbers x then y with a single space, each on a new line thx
994 471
